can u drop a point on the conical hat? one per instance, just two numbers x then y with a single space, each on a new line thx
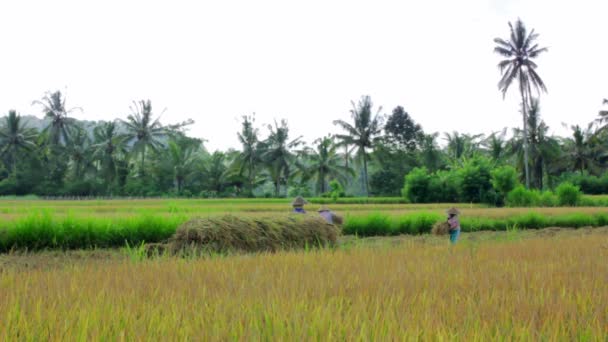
299 201
323 208
453 211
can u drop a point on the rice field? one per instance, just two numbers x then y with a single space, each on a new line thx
77 270
518 285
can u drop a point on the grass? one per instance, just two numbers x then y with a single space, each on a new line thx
422 222
525 289
46 229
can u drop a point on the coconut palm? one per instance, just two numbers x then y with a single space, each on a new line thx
108 146
603 119
324 163
462 145
15 138
279 155
583 150
54 108
520 50
143 131
362 132
80 152
544 150
496 146
250 158
430 153
183 158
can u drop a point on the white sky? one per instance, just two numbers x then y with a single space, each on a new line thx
214 61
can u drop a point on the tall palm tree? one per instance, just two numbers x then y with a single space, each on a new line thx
430 153
108 146
362 132
496 146
583 150
54 108
325 163
251 157
519 51
278 154
80 152
462 145
544 150
183 159
15 138
603 119
143 131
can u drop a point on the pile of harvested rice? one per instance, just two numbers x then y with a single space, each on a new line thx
232 233
441 228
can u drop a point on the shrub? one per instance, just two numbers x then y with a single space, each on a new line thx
416 188
522 197
233 233
547 199
504 179
568 194
475 180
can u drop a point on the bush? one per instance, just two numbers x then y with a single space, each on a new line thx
504 180
416 188
232 233
568 194
547 199
475 180
522 197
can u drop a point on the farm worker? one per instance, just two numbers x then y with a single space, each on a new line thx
326 214
298 205
454 223
329 216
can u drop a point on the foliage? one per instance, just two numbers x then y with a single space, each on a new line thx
504 179
416 188
568 194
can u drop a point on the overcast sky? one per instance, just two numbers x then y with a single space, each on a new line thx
214 61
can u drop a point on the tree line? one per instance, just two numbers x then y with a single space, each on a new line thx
371 154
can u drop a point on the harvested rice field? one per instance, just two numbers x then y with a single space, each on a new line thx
81 270
545 284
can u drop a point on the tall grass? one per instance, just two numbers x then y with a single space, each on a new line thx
43 230
522 290
418 223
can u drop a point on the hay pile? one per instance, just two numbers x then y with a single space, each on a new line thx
441 228
230 233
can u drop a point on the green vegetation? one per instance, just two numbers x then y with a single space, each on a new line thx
383 224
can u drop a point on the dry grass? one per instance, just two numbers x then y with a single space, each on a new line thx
230 233
530 289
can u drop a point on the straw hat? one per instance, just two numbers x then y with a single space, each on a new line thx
299 201
323 208
453 211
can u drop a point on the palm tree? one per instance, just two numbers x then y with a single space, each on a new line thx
53 106
543 149
182 158
582 151
603 119
107 148
362 133
251 156
519 51
461 145
143 131
324 162
278 154
80 152
15 138
430 152
496 146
